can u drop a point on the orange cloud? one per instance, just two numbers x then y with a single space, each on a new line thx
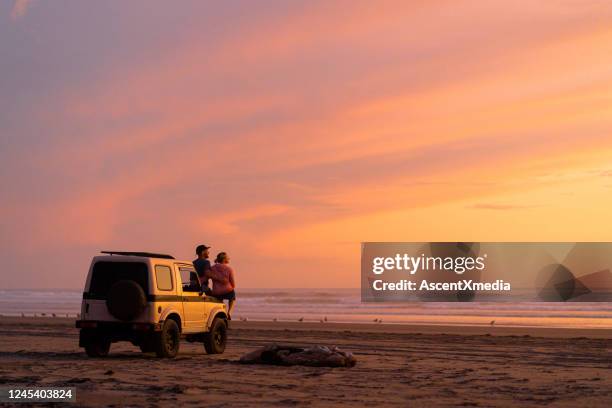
301 132
20 8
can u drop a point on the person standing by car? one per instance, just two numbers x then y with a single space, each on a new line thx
224 284
202 267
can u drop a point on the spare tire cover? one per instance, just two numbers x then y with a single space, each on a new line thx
126 300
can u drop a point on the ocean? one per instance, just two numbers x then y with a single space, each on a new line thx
344 305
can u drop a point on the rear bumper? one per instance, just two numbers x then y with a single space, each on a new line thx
117 326
136 333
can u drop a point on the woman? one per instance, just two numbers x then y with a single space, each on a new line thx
223 284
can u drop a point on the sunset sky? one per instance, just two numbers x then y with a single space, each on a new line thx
286 133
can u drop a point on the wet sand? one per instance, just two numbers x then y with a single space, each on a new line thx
396 366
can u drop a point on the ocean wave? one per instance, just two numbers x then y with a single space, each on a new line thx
341 305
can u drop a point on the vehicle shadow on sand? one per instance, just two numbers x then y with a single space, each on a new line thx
78 355
118 356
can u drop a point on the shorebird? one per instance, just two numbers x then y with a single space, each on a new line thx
325 318
301 319
379 320
274 319
243 319
53 314
375 320
492 322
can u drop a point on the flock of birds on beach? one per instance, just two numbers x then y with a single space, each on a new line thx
242 319
301 319
77 315
324 320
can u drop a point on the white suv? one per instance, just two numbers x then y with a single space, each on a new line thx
151 300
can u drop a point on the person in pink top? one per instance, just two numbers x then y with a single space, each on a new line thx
223 283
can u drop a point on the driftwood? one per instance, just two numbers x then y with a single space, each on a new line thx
315 356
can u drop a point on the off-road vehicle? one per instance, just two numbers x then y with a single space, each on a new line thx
151 300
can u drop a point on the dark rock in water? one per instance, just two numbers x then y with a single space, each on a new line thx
315 356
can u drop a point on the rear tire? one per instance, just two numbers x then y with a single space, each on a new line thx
98 348
216 339
167 341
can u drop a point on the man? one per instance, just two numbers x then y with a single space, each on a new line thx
202 266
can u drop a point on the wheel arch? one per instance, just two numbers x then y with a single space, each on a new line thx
173 315
216 313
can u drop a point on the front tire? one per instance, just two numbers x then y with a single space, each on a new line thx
98 348
216 339
167 341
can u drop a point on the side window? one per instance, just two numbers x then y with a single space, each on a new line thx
163 276
190 280
188 275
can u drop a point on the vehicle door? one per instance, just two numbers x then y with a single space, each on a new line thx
193 304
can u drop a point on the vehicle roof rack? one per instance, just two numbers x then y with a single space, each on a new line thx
143 254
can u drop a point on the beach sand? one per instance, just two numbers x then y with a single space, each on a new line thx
396 366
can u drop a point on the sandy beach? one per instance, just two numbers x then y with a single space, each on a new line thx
397 366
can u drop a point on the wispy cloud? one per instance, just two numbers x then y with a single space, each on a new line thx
500 207
271 139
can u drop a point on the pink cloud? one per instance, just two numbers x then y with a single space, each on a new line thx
20 8
500 207
326 116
